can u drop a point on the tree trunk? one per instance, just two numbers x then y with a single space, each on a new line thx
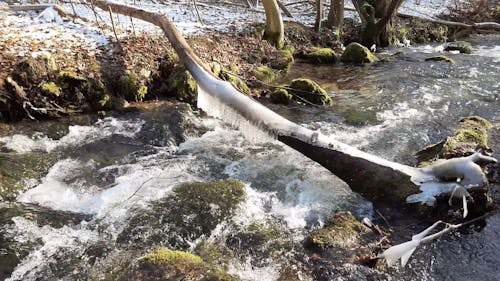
319 15
274 32
336 16
376 17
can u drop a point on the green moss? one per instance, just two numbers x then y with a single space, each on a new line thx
284 59
178 259
321 55
475 121
441 58
357 53
471 134
131 88
165 264
234 68
216 68
311 92
182 85
51 88
340 231
70 75
235 81
281 96
264 74
262 232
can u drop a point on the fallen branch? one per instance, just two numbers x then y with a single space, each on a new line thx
15 8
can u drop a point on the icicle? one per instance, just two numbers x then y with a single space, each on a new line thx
213 107
460 191
404 250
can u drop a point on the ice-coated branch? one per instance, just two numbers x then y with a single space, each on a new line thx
404 250
452 176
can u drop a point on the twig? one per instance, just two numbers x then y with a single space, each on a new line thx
114 30
284 9
197 12
385 220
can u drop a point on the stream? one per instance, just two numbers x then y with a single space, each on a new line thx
83 215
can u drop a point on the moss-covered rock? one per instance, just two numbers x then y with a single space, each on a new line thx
470 135
281 96
264 74
357 53
182 85
342 230
131 88
194 209
321 55
441 58
165 264
311 92
284 59
461 46
21 171
359 117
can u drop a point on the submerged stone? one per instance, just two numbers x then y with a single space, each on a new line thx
321 55
281 96
461 46
342 230
357 53
194 209
18 172
311 92
441 58
165 264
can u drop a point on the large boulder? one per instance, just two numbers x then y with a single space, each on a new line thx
310 91
321 55
357 53
194 209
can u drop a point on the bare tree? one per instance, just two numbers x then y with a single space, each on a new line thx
319 15
376 17
336 15
274 31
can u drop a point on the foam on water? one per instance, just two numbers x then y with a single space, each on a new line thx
248 272
54 241
78 135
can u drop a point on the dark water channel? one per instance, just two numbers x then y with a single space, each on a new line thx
89 180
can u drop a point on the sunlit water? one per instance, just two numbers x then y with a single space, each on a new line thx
105 173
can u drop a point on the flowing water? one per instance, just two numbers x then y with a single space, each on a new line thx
78 218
